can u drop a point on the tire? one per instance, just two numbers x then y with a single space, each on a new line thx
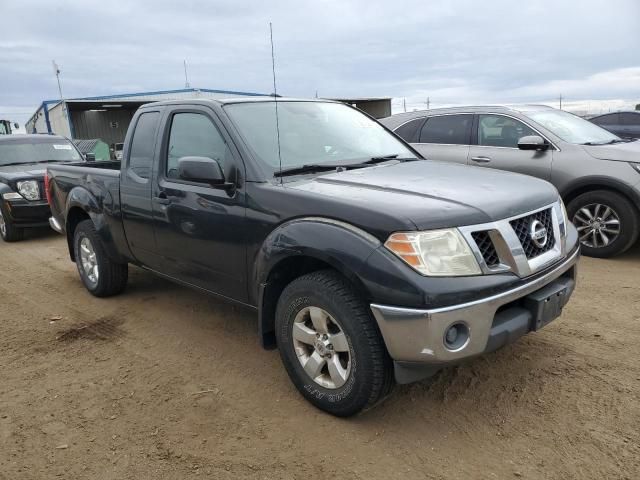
616 219
366 369
8 231
99 274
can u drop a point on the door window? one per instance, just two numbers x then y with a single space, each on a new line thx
501 131
447 129
143 144
194 134
408 131
630 119
611 119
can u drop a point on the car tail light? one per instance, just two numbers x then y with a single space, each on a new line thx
47 190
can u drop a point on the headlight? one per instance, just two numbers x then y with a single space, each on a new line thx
29 189
635 166
564 212
441 253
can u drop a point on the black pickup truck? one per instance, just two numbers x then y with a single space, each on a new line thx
367 264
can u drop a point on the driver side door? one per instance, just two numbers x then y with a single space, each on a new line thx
200 229
495 145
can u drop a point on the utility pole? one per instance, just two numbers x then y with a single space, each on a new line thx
56 71
186 78
560 101
404 104
428 102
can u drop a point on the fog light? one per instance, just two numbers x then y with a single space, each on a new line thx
456 336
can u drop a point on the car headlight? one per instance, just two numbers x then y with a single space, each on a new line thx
565 217
29 189
441 253
635 166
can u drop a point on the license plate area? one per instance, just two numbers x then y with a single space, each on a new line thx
546 304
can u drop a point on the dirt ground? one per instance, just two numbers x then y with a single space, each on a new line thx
165 383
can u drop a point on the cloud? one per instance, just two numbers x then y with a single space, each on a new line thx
452 51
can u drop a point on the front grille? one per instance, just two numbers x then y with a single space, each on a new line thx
488 250
522 228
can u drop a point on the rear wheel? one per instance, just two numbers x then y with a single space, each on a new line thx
99 274
8 231
607 223
331 346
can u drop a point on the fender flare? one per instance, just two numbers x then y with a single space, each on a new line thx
80 197
597 181
341 245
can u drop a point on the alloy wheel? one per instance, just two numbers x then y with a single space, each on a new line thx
89 261
598 225
3 225
322 347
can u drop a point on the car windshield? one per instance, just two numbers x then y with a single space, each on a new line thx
571 128
312 133
34 150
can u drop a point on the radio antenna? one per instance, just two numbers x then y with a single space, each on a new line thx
275 98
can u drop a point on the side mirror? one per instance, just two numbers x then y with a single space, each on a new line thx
533 142
90 157
16 126
202 170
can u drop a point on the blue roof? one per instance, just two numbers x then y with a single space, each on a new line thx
164 92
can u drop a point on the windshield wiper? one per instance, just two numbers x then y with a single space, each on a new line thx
51 161
384 158
325 167
610 142
316 167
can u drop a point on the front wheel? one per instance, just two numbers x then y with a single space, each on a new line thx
99 274
331 346
607 223
8 231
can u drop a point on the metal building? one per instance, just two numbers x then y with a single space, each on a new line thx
377 107
107 117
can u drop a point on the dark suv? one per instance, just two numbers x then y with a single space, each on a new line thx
596 172
23 160
623 124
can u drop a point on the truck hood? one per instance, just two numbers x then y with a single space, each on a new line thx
433 194
22 172
621 152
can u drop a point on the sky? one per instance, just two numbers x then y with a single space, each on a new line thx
453 52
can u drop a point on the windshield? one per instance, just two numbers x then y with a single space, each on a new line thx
33 150
571 128
4 130
312 133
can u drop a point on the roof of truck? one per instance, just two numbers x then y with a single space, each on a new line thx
227 101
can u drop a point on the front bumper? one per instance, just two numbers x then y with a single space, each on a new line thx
415 336
24 213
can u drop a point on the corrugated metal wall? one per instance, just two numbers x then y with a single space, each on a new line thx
110 126
59 121
38 121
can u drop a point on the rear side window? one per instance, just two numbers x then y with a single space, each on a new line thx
611 119
194 134
143 144
447 129
630 118
409 131
501 131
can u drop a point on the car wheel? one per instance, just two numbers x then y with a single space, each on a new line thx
331 346
8 231
100 275
607 223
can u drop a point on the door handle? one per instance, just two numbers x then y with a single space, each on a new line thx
481 159
162 199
